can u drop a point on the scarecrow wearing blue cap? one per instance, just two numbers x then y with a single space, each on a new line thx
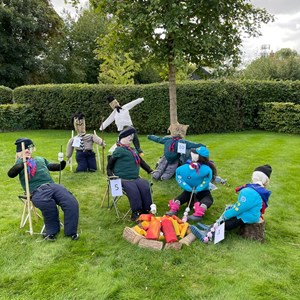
194 178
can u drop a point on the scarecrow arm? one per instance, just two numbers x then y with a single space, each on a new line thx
57 167
145 166
15 170
110 166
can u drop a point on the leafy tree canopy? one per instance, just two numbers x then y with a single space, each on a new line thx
281 65
26 26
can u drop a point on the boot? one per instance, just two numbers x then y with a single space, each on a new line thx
199 211
174 207
200 234
134 216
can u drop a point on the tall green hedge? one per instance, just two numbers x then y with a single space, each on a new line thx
207 106
17 117
280 117
5 95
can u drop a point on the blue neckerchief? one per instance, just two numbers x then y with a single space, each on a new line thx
31 167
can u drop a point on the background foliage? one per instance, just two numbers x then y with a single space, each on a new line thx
207 106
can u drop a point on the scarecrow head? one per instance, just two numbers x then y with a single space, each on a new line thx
28 145
199 153
178 130
126 135
79 123
113 103
261 175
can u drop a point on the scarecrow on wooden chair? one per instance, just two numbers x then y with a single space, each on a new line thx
45 194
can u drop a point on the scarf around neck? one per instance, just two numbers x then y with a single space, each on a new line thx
135 155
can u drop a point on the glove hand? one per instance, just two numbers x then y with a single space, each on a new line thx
60 156
229 206
220 220
103 144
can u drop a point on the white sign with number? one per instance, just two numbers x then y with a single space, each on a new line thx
181 148
76 142
116 187
220 233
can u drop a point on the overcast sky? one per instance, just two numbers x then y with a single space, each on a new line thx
284 32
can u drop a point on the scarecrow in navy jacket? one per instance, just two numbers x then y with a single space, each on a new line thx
45 194
176 150
83 144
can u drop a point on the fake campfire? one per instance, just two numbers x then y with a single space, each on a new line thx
168 232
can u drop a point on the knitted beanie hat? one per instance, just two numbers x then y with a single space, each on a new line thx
27 143
202 151
126 132
266 169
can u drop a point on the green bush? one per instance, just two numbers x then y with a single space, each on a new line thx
17 117
207 106
5 95
280 117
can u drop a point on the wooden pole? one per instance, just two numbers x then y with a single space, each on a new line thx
98 153
103 168
27 201
71 160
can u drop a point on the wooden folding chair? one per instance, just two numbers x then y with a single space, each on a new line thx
28 211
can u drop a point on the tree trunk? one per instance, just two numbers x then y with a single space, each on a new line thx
172 93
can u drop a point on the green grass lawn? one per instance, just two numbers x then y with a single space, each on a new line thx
102 265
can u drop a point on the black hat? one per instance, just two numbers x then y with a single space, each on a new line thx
126 132
110 98
27 142
266 169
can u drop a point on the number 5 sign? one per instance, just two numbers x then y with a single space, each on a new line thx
116 187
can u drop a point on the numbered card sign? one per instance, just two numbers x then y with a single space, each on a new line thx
181 148
116 187
220 233
76 142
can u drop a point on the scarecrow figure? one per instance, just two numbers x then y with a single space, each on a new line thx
45 194
173 156
125 163
249 209
122 118
83 144
194 178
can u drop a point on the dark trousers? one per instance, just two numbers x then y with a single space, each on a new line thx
138 193
233 223
86 161
204 197
47 197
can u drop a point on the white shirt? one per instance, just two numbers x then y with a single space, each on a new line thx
121 118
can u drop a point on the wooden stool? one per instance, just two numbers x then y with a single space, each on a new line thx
254 231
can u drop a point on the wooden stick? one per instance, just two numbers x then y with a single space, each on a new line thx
71 160
103 171
59 175
27 201
98 153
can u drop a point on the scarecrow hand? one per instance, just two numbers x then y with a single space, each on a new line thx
220 220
